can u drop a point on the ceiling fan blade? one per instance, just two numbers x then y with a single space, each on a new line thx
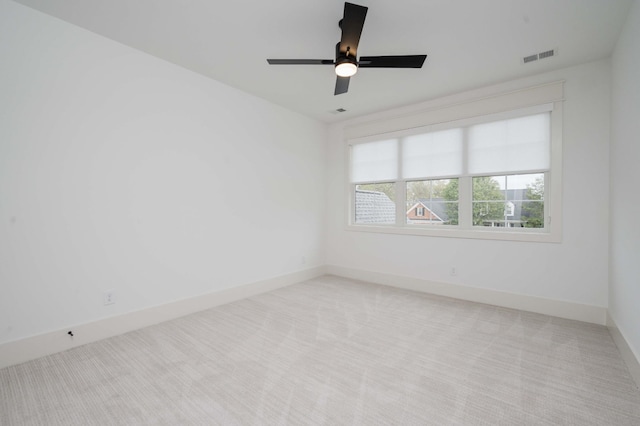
342 85
406 61
351 25
300 61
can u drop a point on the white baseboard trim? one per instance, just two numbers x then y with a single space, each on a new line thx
556 308
630 357
19 351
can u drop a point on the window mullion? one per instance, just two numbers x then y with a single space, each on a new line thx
400 190
465 211
464 205
547 201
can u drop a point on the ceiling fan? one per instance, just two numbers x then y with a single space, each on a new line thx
346 62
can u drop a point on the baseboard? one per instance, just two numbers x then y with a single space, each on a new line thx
630 357
557 308
19 351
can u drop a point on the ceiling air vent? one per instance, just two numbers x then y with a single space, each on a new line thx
547 54
541 55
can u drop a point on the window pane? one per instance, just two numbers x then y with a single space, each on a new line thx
375 203
512 145
374 161
432 154
432 202
513 201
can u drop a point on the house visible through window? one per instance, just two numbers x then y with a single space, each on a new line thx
432 202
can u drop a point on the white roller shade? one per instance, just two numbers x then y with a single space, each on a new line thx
514 145
432 154
374 161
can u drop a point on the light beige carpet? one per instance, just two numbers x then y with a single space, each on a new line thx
334 351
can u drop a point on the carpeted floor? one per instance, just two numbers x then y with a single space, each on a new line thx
334 351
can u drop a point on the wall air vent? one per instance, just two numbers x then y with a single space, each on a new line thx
541 55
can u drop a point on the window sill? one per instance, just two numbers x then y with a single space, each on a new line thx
454 232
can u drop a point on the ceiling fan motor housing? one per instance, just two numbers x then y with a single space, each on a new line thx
345 65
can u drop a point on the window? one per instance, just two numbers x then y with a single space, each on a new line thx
481 177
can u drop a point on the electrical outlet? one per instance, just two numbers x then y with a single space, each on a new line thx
109 297
453 271
303 260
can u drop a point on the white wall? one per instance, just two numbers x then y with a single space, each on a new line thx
624 290
121 171
575 270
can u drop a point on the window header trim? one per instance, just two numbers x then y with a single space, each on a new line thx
523 99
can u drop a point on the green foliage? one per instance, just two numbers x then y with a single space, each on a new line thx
533 211
425 189
450 193
488 200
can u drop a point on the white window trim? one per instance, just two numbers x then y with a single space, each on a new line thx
509 105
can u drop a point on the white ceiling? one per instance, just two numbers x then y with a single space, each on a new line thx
470 43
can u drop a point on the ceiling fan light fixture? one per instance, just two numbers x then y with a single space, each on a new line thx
346 67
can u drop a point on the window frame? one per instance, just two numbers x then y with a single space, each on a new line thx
552 197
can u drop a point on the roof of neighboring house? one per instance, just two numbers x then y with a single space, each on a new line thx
438 206
374 207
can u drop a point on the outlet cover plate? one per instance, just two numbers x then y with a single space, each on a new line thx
109 297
